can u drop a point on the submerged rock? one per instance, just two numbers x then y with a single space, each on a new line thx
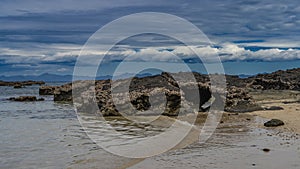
274 123
26 99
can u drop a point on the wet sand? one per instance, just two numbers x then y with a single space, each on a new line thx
240 141
288 100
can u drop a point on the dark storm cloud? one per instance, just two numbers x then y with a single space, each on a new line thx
52 33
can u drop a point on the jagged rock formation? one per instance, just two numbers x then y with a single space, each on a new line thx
141 90
279 80
239 100
63 93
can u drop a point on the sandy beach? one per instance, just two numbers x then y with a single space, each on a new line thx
288 100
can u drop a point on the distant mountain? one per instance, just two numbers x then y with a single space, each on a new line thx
47 77
243 76
42 77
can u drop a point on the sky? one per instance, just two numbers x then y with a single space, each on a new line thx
249 36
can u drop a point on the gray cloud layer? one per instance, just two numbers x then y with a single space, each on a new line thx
36 35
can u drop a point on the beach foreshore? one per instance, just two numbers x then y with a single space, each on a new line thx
237 135
287 100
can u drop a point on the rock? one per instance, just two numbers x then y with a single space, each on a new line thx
63 93
47 90
18 86
267 84
21 83
142 89
238 100
274 123
266 150
279 80
30 82
274 108
40 99
26 99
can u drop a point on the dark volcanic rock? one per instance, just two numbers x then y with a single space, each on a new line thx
26 99
274 123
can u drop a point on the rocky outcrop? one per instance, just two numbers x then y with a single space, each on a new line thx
239 100
267 84
47 90
21 83
142 90
279 80
274 123
63 93
26 99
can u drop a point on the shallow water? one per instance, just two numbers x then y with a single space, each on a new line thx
48 135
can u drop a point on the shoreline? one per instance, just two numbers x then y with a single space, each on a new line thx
288 100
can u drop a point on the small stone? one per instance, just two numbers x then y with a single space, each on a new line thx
41 99
274 123
274 108
266 150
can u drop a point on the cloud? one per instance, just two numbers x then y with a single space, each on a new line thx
226 52
50 34
221 20
67 54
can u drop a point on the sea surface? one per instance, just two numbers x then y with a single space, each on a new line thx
46 134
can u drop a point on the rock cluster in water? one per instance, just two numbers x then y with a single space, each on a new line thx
21 84
26 99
